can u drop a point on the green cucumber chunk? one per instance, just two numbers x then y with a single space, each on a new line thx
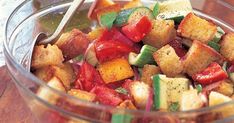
199 88
145 56
121 118
108 19
214 45
177 18
174 107
131 15
156 10
218 35
121 90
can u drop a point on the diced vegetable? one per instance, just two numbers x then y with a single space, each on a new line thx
199 88
140 92
145 56
200 29
131 15
121 90
90 54
83 95
136 31
88 77
212 73
161 34
121 118
107 96
177 45
227 46
115 8
108 50
115 70
214 45
168 90
147 73
190 100
174 107
199 57
96 33
108 19
168 61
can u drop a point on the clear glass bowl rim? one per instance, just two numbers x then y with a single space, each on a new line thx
7 54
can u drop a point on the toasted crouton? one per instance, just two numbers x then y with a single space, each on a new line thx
168 61
127 104
147 72
72 43
47 94
83 95
115 70
132 4
44 56
65 73
196 28
225 88
227 46
162 32
199 57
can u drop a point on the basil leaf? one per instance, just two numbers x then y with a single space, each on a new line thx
156 10
199 88
121 90
108 19
174 107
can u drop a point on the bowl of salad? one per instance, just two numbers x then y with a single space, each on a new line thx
124 62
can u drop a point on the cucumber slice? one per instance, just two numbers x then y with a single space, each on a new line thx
121 118
214 45
174 10
90 55
220 30
168 90
131 15
108 19
145 56
218 35
231 76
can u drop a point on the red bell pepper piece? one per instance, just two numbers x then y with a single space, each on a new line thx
88 77
137 31
107 96
107 50
211 74
177 45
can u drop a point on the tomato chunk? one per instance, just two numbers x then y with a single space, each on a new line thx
137 31
107 96
107 50
88 77
211 74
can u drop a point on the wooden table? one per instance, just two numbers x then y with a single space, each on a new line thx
12 107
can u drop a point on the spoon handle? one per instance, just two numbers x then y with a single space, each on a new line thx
66 18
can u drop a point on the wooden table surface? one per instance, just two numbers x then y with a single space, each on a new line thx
12 107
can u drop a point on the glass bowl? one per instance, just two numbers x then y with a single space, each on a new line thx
34 16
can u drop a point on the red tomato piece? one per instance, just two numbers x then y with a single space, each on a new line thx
137 31
107 96
88 77
107 50
211 74
177 45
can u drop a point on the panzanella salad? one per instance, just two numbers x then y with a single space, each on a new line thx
161 57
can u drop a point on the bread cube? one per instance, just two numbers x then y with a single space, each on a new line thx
44 56
227 46
83 95
199 57
132 4
147 72
65 73
196 28
115 70
225 87
47 94
168 61
162 33
127 104
72 43
140 93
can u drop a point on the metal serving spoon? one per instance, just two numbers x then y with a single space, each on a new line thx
42 38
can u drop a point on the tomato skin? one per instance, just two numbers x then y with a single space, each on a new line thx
211 74
137 31
88 77
106 95
177 45
107 50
